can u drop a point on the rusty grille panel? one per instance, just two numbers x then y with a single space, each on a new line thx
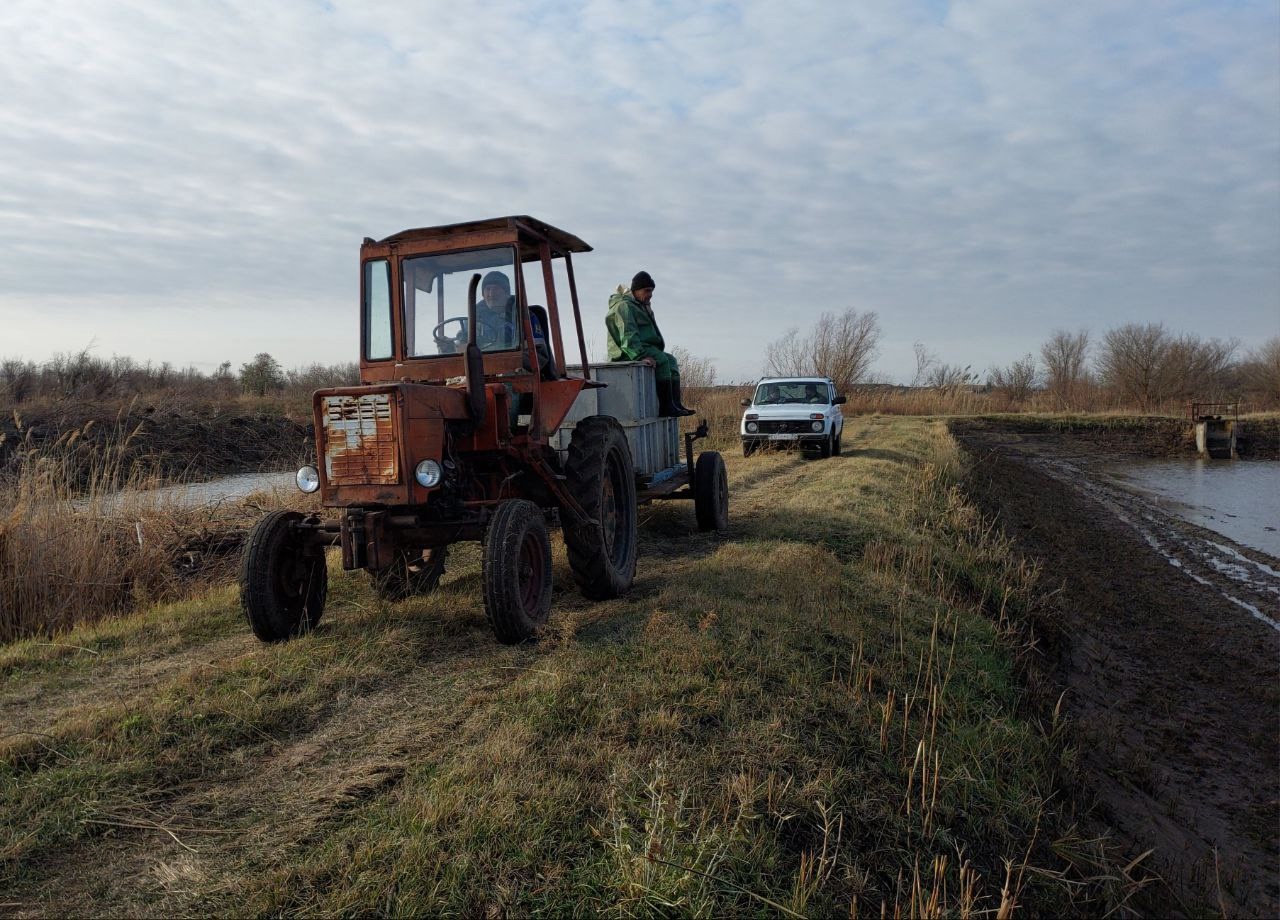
360 440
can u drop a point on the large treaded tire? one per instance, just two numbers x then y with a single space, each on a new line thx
283 582
517 572
711 491
412 574
600 475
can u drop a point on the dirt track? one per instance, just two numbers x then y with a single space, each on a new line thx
1172 685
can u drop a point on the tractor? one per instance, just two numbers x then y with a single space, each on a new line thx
469 424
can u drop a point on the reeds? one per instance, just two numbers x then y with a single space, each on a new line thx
79 539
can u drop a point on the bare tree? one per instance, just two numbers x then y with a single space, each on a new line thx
840 346
949 377
1134 362
19 378
1017 380
1260 371
1198 368
695 372
1064 357
926 361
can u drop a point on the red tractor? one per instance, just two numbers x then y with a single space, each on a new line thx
469 425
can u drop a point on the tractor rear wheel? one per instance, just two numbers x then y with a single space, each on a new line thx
412 574
283 581
600 475
517 572
711 491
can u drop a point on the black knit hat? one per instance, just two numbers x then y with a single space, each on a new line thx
497 278
641 281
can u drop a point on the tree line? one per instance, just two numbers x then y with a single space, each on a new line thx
83 375
1135 365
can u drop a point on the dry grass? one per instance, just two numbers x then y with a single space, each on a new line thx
79 539
816 713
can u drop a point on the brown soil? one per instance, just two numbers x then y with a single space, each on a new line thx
175 442
1173 690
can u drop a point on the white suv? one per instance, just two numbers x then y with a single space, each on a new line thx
794 410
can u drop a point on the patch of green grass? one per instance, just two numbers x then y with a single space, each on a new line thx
816 711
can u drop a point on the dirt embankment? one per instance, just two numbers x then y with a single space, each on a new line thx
195 442
1258 438
1172 687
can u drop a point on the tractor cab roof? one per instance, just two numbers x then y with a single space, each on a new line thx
531 232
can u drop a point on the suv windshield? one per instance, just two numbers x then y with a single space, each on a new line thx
435 302
792 391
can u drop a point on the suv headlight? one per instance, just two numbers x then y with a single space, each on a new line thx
308 479
427 473
815 426
752 427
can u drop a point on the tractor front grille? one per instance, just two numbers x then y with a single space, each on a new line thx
786 426
360 440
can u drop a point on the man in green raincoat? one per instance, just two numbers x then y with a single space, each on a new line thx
634 336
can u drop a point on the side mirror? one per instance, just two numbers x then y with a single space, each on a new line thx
745 403
839 400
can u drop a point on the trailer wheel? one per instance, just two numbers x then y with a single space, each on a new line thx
711 491
412 574
600 475
517 572
283 581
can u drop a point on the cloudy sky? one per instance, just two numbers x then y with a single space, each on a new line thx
190 181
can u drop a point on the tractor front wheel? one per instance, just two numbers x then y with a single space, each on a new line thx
600 475
517 572
411 574
283 580
711 491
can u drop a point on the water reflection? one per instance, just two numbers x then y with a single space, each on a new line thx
1238 499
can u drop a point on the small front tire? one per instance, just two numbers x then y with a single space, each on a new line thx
517 572
283 580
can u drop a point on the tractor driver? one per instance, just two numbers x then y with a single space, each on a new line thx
496 314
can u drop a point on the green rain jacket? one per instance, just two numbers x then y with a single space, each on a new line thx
634 335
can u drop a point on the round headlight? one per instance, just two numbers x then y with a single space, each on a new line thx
427 473
308 479
816 426
752 427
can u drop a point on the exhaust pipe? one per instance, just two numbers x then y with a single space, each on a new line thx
473 359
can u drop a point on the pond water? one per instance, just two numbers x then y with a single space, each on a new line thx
1238 499
225 488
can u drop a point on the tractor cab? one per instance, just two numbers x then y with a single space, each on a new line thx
428 294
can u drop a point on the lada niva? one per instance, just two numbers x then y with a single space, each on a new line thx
803 411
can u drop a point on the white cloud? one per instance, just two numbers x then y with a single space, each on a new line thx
979 173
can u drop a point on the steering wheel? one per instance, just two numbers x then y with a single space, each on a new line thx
449 345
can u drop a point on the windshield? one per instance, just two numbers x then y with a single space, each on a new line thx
435 302
792 391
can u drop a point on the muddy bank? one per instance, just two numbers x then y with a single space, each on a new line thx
1171 686
175 443
1130 436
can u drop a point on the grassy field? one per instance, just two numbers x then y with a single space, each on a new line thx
823 710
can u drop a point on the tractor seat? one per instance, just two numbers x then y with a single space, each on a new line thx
541 345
